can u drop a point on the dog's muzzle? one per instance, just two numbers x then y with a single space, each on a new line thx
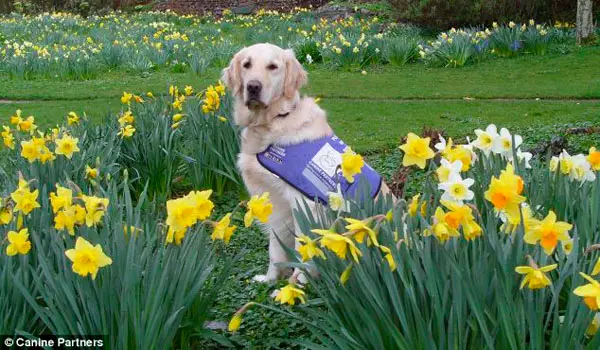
253 92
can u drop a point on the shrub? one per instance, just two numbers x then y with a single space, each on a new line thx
401 50
456 13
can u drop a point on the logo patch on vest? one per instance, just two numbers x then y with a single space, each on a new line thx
313 168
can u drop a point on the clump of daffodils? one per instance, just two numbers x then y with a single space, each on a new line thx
183 213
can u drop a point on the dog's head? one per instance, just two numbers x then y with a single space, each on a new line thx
263 73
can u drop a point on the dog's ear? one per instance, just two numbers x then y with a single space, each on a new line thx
231 75
295 76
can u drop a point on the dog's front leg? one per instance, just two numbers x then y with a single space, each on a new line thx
281 233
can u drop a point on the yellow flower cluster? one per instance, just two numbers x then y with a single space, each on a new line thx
126 118
87 259
68 215
183 213
212 98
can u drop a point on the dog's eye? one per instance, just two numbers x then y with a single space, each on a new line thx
272 67
247 65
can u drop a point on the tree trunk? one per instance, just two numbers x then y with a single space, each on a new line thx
585 22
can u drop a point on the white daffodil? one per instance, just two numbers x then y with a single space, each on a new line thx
457 190
503 144
447 169
442 145
581 169
485 139
525 157
336 201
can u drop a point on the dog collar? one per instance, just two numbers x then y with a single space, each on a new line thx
283 115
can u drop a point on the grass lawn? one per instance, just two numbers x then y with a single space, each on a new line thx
370 112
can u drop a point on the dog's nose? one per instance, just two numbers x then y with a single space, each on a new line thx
254 87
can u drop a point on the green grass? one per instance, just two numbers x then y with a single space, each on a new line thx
371 112
372 126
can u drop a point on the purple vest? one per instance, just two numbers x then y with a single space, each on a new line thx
313 168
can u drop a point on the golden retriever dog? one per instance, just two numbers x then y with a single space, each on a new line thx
265 81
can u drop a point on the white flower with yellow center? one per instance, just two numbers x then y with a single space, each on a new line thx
457 190
503 144
525 157
485 139
581 169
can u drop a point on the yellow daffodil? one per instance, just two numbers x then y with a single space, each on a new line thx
127 131
67 146
360 229
504 192
211 101
220 88
126 98
181 213
18 242
86 258
594 325
352 164
308 248
413 206
8 138
441 229
548 232
178 103
389 257
462 154
175 236
289 294
16 118
6 215
126 118
202 203
62 198
462 215
512 222
590 292
177 117
338 244
222 230
30 150
72 118
188 90
235 323
259 208
66 219
95 208
416 151
535 278
27 125
91 173
25 200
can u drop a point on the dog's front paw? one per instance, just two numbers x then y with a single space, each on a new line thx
260 279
